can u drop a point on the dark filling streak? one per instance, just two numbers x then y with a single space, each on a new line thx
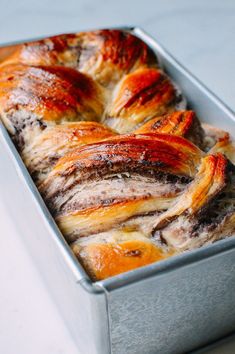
43 167
119 226
113 162
196 133
133 253
159 240
20 121
99 203
99 174
85 53
147 93
215 212
165 121
211 215
103 200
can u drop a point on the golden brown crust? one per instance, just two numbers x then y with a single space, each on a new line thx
162 211
51 92
89 221
108 54
147 159
42 152
7 52
49 51
103 260
121 201
208 182
141 95
104 54
181 123
176 123
163 152
72 77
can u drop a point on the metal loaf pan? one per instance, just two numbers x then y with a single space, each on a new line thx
172 306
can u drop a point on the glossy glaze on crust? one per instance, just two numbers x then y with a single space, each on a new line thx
206 210
160 152
124 196
181 123
42 152
108 54
105 54
141 95
52 93
209 181
55 50
197 216
110 60
121 201
115 252
104 184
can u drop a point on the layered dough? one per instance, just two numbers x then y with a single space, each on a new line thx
41 153
156 186
140 96
130 176
106 55
33 98
99 185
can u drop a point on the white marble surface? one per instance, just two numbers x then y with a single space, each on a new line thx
199 33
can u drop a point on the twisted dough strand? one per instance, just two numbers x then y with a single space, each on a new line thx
121 201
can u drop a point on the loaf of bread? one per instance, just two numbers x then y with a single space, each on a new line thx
129 174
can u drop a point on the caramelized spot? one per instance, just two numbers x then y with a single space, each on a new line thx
50 92
107 260
177 123
105 54
121 48
48 51
160 152
144 86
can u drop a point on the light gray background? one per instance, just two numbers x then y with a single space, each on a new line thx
200 34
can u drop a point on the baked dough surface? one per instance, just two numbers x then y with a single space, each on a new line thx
129 174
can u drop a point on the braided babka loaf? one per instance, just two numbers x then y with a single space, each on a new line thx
130 176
